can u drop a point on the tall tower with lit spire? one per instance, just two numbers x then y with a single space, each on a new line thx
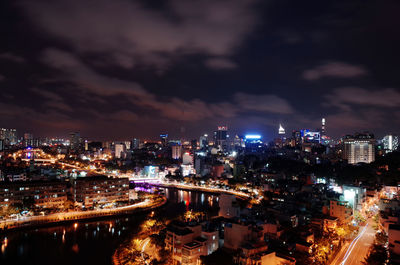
281 130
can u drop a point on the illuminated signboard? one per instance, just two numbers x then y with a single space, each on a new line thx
253 137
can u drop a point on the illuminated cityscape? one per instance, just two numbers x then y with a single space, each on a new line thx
227 132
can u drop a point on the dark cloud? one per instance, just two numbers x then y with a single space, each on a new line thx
346 97
131 33
334 69
128 68
175 108
12 57
220 64
263 103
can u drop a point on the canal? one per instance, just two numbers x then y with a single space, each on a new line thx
93 242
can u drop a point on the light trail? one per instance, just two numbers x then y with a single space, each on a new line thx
352 245
147 240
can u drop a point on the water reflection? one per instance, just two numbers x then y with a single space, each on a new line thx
93 242
4 245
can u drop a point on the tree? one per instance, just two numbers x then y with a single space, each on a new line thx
68 204
28 202
358 217
378 253
376 256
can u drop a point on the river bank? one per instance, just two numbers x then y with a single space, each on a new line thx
58 218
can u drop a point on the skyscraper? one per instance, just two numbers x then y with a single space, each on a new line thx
176 150
203 141
119 150
297 137
75 141
220 137
323 129
9 136
359 148
164 139
390 143
281 130
28 139
135 144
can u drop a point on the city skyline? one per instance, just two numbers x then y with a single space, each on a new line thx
22 135
202 132
181 67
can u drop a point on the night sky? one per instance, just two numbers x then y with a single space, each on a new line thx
121 69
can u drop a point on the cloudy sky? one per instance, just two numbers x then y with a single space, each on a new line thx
120 69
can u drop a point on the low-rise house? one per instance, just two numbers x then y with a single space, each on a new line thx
188 241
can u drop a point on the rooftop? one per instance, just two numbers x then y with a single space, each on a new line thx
192 245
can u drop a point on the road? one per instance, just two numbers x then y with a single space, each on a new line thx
355 252
206 189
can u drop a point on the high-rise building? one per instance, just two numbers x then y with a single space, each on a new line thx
238 142
281 130
390 143
187 159
221 137
28 139
193 144
75 141
323 128
135 143
128 145
297 137
359 148
203 141
9 136
106 145
119 150
164 139
176 151
2 134
28 136
253 143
